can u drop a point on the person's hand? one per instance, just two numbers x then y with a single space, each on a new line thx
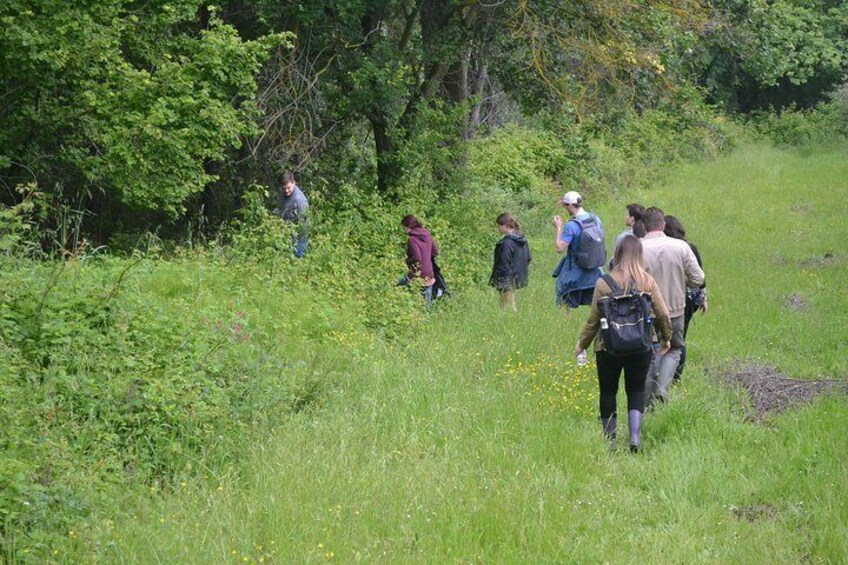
558 221
577 350
703 306
664 347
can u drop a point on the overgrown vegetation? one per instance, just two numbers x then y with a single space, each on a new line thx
219 402
155 331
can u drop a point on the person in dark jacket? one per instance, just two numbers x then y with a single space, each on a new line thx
420 251
512 261
696 298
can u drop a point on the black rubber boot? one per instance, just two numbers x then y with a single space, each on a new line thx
609 425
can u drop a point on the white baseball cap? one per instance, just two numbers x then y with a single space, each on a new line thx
572 197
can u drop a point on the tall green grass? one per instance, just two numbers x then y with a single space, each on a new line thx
476 440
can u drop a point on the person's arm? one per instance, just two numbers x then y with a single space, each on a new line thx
662 322
503 260
560 244
498 270
694 273
590 329
300 206
697 254
703 306
413 258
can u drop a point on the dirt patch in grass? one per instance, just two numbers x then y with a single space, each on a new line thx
771 392
826 260
814 262
796 302
754 512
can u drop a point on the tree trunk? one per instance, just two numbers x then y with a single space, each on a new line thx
387 169
477 91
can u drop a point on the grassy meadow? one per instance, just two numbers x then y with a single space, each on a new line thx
474 439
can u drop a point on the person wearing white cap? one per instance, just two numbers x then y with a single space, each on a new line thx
582 237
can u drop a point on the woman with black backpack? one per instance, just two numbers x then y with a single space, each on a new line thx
628 277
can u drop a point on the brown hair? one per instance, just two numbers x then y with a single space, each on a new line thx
635 211
639 229
654 219
286 177
509 221
410 221
673 228
629 266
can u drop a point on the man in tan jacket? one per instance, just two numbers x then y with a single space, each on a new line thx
673 265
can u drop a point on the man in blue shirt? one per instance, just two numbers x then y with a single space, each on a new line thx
574 284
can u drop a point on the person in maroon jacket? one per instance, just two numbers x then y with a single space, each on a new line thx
420 250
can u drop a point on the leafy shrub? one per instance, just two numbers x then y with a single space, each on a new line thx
147 370
682 128
524 160
19 235
138 369
826 123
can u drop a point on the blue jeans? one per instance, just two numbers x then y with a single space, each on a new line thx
426 292
300 245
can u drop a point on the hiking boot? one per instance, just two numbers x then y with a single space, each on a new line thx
609 427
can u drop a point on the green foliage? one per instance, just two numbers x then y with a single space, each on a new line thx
524 160
827 123
755 45
683 129
256 233
132 382
19 224
476 439
133 103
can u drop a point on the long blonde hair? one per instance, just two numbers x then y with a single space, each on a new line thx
629 265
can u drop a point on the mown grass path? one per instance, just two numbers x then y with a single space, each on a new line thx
478 441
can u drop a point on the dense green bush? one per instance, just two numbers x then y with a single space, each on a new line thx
523 160
680 128
137 369
825 123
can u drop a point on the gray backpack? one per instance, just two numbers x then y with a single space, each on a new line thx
589 248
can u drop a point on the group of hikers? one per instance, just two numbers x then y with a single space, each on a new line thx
639 310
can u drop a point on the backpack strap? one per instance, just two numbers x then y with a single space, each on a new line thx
616 290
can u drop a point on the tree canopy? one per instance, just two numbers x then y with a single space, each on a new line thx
123 105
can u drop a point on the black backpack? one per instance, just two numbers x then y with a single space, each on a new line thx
625 320
590 252
440 287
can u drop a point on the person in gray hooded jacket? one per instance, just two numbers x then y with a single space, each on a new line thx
292 207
